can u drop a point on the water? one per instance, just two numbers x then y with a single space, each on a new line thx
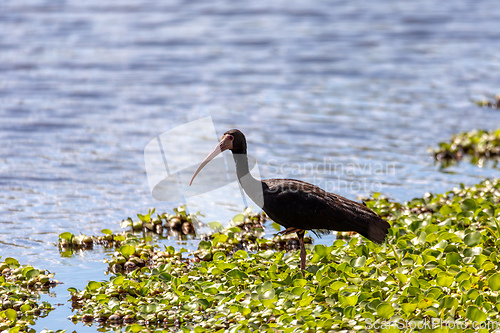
361 90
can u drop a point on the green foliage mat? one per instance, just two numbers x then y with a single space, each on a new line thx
19 295
479 145
438 268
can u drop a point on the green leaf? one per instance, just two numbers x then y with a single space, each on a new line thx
448 302
348 300
474 314
238 218
461 276
306 300
409 307
267 254
94 285
204 245
203 302
422 238
268 294
127 250
444 279
164 276
147 217
72 290
385 310
494 282
453 258
219 238
240 254
135 328
472 239
337 285
118 281
26 270
297 291
320 250
106 231
119 238
468 205
11 314
215 226
219 256
11 262
268 285
66 236
299 282
236 328
236 274
445 210
358 262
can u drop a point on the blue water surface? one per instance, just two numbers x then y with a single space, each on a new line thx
344 94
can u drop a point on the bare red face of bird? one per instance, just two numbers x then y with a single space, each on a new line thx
224 144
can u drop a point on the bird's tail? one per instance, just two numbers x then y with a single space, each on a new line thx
377 230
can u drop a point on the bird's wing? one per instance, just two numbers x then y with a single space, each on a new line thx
293 203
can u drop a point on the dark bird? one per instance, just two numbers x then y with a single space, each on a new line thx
297 205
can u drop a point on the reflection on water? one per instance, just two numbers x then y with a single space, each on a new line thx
85 86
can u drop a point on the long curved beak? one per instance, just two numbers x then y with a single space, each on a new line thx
224 144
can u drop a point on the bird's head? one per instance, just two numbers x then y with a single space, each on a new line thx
232 140
238 143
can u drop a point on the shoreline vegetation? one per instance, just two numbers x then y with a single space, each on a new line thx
439 264
20 289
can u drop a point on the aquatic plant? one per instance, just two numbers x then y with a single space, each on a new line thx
178 223
19 295
245 232
69 242
439 266
486 103
479 145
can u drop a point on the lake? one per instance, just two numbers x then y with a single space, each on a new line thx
346 95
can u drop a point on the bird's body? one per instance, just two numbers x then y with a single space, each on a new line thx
297 205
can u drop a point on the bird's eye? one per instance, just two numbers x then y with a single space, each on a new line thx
230 137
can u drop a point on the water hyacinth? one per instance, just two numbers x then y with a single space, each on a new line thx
485 103
245 232
440 264
20 286
479 145
68 243
177 224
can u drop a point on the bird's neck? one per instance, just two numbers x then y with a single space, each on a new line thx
252 187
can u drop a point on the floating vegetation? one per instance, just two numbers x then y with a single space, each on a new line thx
174 224
19 293
136 254
494 104
69 242
477 144
178 223
245 232
440 265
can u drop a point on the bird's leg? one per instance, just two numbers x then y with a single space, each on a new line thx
288 231
300 235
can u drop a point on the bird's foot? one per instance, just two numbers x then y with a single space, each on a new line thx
288 231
